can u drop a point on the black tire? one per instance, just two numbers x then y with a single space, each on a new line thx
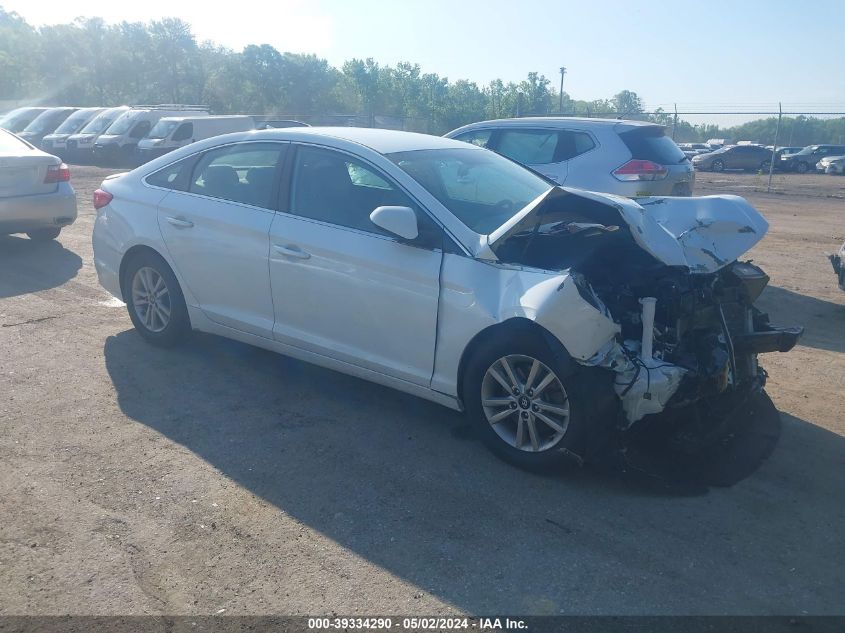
179 323
44 235
717 165
802 167
764 166
589 395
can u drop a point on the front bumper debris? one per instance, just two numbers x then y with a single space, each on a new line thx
774 339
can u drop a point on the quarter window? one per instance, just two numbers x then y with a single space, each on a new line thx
175 176
244 173
335 188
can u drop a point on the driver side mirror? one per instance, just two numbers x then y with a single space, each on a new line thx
400 221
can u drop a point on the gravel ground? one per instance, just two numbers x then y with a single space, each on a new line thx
217 476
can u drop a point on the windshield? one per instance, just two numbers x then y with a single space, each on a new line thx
100 123
809 150
162 129
73 122
46 122
481 188
123 124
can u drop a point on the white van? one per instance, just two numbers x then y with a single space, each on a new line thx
174 132
81 145
116 146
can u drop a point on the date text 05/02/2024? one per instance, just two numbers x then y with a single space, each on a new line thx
417 623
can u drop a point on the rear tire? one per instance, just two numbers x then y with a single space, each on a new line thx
764 166
155 301
558 416
44 235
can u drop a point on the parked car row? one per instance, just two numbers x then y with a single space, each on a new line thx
810 157
124 136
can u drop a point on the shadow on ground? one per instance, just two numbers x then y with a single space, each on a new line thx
28 266
396 480
824 321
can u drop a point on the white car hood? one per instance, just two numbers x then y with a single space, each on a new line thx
703 233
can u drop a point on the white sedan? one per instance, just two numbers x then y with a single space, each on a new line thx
554 317
36 197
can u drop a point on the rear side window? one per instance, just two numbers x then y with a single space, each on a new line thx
245 173
651 143
529 147
10 143
542 147
481 138
572 144
185 131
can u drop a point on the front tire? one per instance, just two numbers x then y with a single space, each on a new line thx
530 405
44 235
717 166
155 301
802 167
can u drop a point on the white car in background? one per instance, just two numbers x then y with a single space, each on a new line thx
831 165
36 197
449 272
628 158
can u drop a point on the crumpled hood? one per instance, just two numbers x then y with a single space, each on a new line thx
702 233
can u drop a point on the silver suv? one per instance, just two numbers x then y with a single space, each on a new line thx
628 158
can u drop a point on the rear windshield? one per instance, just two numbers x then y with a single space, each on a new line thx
11 143
651 143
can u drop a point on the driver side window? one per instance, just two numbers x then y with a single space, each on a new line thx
332 187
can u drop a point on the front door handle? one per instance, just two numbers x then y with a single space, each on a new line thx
291 251
180 222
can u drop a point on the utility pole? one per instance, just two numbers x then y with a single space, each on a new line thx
560 105
675 122
774 149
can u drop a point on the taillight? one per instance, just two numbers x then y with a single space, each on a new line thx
57 173
101 198
638 169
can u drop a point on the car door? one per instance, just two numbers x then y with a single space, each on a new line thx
344 288
217 232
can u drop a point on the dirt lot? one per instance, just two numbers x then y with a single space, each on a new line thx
218 476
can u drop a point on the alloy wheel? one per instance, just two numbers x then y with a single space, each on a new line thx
151 299
525 403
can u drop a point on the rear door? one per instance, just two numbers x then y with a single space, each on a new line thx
216 230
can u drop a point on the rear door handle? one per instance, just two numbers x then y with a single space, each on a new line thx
181 223
291 251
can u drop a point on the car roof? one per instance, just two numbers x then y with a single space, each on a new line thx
562 121
379 140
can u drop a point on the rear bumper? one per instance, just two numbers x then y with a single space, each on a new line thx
28 213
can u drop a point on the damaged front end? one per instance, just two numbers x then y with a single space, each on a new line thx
665 271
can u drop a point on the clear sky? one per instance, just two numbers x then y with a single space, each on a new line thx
702 55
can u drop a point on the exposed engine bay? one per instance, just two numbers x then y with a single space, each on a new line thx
688 333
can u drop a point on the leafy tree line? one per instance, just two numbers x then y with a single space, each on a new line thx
89 62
